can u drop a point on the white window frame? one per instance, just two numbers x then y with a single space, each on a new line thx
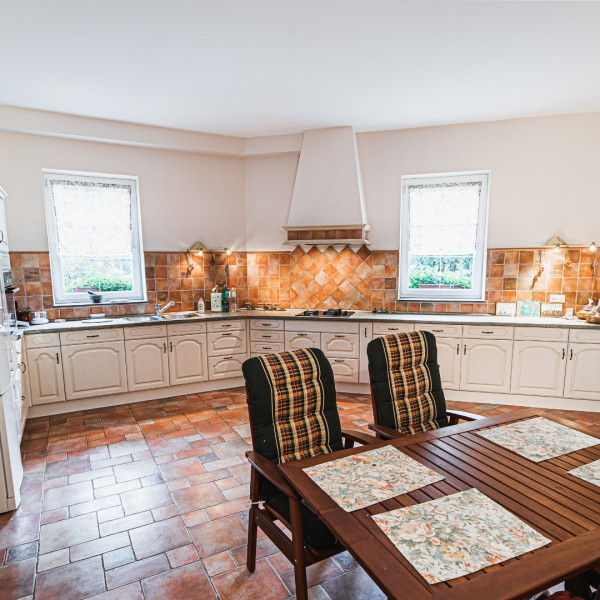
62 298
477 293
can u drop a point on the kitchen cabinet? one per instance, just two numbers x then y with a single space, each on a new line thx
582 378
147 363
297 340
223 367
366 335
381 329
341 345
188 359
345 369
538 368
45 374
226 342
448 357
486 365
258 348
94 369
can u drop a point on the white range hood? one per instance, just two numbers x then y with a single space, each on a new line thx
328 200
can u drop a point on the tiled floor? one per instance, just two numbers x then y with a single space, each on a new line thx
150 501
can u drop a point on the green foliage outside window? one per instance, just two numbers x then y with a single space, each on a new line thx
455 271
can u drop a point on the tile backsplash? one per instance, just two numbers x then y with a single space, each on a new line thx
317 277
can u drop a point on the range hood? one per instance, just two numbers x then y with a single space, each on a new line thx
328 205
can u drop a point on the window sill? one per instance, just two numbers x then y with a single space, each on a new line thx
89 304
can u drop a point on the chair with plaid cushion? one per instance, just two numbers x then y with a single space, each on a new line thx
293 415
406 388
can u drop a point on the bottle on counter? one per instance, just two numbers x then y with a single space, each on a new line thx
225 300
233 302
201 307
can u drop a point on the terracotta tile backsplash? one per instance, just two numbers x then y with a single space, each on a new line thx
318 277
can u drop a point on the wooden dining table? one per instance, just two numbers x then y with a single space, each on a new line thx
558 505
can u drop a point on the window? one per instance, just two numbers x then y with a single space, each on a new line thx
95 237
443 237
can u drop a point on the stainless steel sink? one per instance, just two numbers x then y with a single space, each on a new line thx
142 318
178 316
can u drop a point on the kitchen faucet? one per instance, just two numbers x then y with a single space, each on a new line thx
159 310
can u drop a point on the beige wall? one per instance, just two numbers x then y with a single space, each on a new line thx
185 196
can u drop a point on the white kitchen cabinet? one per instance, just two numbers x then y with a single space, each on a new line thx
486 365
224 367
266 324
582 378
381 329
226 342
257 348
538 368
187 359
267 336
297 340
44 368
448 357
341 345
366 335
345 369
94 369
147 363
440 329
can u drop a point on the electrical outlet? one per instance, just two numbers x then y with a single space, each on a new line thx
558 298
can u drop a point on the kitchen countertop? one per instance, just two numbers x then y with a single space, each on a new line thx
456 319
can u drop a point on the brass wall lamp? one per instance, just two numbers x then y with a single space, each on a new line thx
557 244
199 249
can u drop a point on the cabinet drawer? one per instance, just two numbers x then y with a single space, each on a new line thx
266 336
320 326
145 331
266 324
586 336
343 345
266 348
492 332
233 324
226 342
438 330
387 328
223 367
541 334
68 338
345 369
185 328
302 339
42 340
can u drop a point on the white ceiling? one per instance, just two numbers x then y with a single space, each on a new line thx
261 67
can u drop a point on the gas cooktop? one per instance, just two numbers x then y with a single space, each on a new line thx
332 312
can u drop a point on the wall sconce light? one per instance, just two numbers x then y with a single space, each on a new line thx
557 243
199 249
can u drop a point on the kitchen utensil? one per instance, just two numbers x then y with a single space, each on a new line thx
95 297
39 318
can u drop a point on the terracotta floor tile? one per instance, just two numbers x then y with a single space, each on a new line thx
196 497
315 574
136 571
240 584
99 546
354 584
126 523
69 494
182 556
69 532
159 447
264 547
178 583
227 508
159 537
196 517
133 591
209 476
19 530
118 558
93 505
67 445
181 468
146 498
229 449
74 581
108 514
22 552
129 447
135 470
219 535
90 475
53 560
118 488
70 466
16 579
219 563
165 512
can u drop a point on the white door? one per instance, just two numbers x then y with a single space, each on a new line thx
147 364
44 368
10 455
187 359
485 365
538 368
226 342
448 356
95 369
297 340
583 371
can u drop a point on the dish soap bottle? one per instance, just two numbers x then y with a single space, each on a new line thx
233 303
225 300
200 304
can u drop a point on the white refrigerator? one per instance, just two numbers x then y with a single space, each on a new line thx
11 467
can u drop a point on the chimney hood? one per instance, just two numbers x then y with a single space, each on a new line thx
328 205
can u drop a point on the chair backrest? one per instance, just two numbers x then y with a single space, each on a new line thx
406 389
292 405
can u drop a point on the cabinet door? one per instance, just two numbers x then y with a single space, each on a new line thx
44 367
226 342
485 365
448 356
94 369
147 363
343 345
583 371
366 335
187 359
538 368
296 340
345 369
224 367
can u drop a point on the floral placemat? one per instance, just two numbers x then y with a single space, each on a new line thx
589 472
539 438
370 477
458 534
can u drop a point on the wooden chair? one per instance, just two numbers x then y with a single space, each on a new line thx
406 389
293 415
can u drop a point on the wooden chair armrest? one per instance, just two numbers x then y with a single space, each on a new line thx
270 471
459 415
387 433
356 437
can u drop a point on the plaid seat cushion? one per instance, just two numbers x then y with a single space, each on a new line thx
292 405
406 382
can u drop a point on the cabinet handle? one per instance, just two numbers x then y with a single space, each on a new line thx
392 329
457 348
302 334
365 332
465 350
165 347
267 336
226 325
227 357
563 354
340 336
266 324
488 332
266 347
171 346
571 355
229 333
23 367
437 330
338 360
2 234
57 359
93 336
